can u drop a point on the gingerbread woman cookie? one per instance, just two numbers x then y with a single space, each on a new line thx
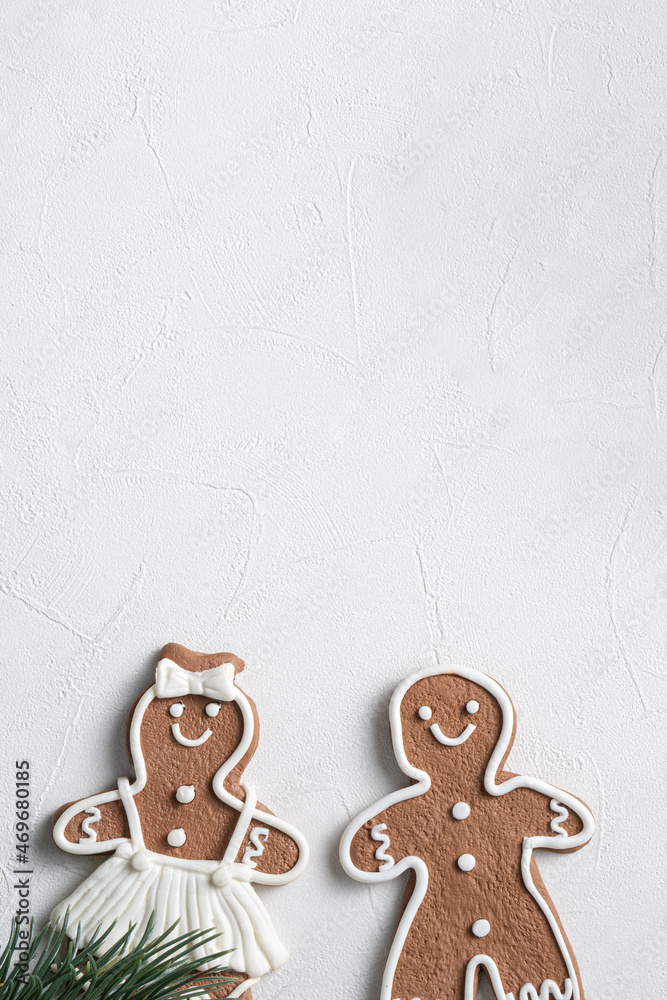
466 830
189 837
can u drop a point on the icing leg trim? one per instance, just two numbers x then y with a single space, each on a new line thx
242 987
549 990
492 973
571 983
404 924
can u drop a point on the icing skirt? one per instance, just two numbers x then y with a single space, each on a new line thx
119 890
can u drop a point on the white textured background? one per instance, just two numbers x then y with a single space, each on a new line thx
335 336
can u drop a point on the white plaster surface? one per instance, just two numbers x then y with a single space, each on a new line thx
334 335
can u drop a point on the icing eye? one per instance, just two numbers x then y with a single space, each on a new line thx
177 710
212 708
425 713
472 707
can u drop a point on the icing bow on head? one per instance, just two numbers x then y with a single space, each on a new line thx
172 681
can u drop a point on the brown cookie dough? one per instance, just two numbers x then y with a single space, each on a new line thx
465 831
188 834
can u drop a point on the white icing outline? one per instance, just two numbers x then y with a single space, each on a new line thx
235 842
449 741
493 976
184 741
422 783
132 813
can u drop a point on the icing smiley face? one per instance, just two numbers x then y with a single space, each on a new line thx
193 719
449 741
177 710
447 713
178 733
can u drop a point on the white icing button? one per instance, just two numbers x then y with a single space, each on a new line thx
176 838
141 861
481 928
472 707
425 712
185 793
212 708
176 711
461 810
466 862
222 875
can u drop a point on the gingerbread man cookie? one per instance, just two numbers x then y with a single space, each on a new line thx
189 836
466 830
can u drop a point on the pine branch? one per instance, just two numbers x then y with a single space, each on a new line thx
58 968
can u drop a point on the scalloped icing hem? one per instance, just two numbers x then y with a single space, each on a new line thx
549 990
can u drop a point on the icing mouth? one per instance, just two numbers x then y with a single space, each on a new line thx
184 741
448 741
